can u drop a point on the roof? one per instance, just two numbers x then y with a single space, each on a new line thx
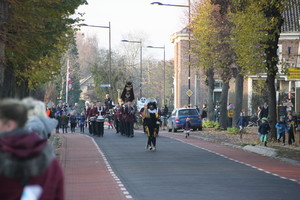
291 17
82 81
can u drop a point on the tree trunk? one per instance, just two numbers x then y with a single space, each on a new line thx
7 89
223 106
272 11
272 105
3 32
211 86
238 101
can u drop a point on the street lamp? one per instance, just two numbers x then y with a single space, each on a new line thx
152 47
109 51
189 44
141 60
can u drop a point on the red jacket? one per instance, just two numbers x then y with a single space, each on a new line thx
35 165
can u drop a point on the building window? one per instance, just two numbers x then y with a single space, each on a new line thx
218 84
289 51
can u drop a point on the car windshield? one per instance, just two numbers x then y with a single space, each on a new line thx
188 112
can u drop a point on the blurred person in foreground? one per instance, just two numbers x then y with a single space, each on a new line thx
28 167
38 121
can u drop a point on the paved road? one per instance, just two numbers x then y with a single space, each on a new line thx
180 171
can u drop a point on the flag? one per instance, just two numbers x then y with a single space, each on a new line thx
69 81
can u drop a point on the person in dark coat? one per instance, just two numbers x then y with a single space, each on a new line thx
27 161
73 121
292 123
129 119
82 120
242 123
264 111
187 127
204 112
64 121
264 130
151 118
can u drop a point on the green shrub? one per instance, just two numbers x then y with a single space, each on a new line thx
233 130
210 124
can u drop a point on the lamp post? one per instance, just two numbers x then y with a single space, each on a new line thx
109 48
189 42
141 60
152 47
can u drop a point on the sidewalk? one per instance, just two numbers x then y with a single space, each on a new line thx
87 173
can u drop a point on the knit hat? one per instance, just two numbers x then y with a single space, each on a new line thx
265 119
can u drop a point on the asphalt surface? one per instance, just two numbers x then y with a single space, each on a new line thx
178 170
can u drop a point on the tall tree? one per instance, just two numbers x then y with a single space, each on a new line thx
37 33
205 46
226 54
256 34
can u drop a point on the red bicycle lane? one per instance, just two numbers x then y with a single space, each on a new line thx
269 165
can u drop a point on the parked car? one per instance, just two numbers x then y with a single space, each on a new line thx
178 118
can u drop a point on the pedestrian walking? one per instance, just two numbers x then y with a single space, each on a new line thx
82 121
165 117
264 130
242 123
57 117
129 120
73 121
64 121
281 127
27 162
100 118
292 123
265 110
117 118
204 112
151 117
187 127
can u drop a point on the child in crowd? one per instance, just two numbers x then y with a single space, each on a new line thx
281 127
263 130
82 122
187 127
242 123
64 120
73 121
57 117
292 123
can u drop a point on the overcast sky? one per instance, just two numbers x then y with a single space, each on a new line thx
158 23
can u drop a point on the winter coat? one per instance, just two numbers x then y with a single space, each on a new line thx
73 119
43 126
281 127
82 120
64 120
187 126
264 128
26 160
242 121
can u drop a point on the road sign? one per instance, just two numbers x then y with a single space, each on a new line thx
293 73
189 93
105 85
